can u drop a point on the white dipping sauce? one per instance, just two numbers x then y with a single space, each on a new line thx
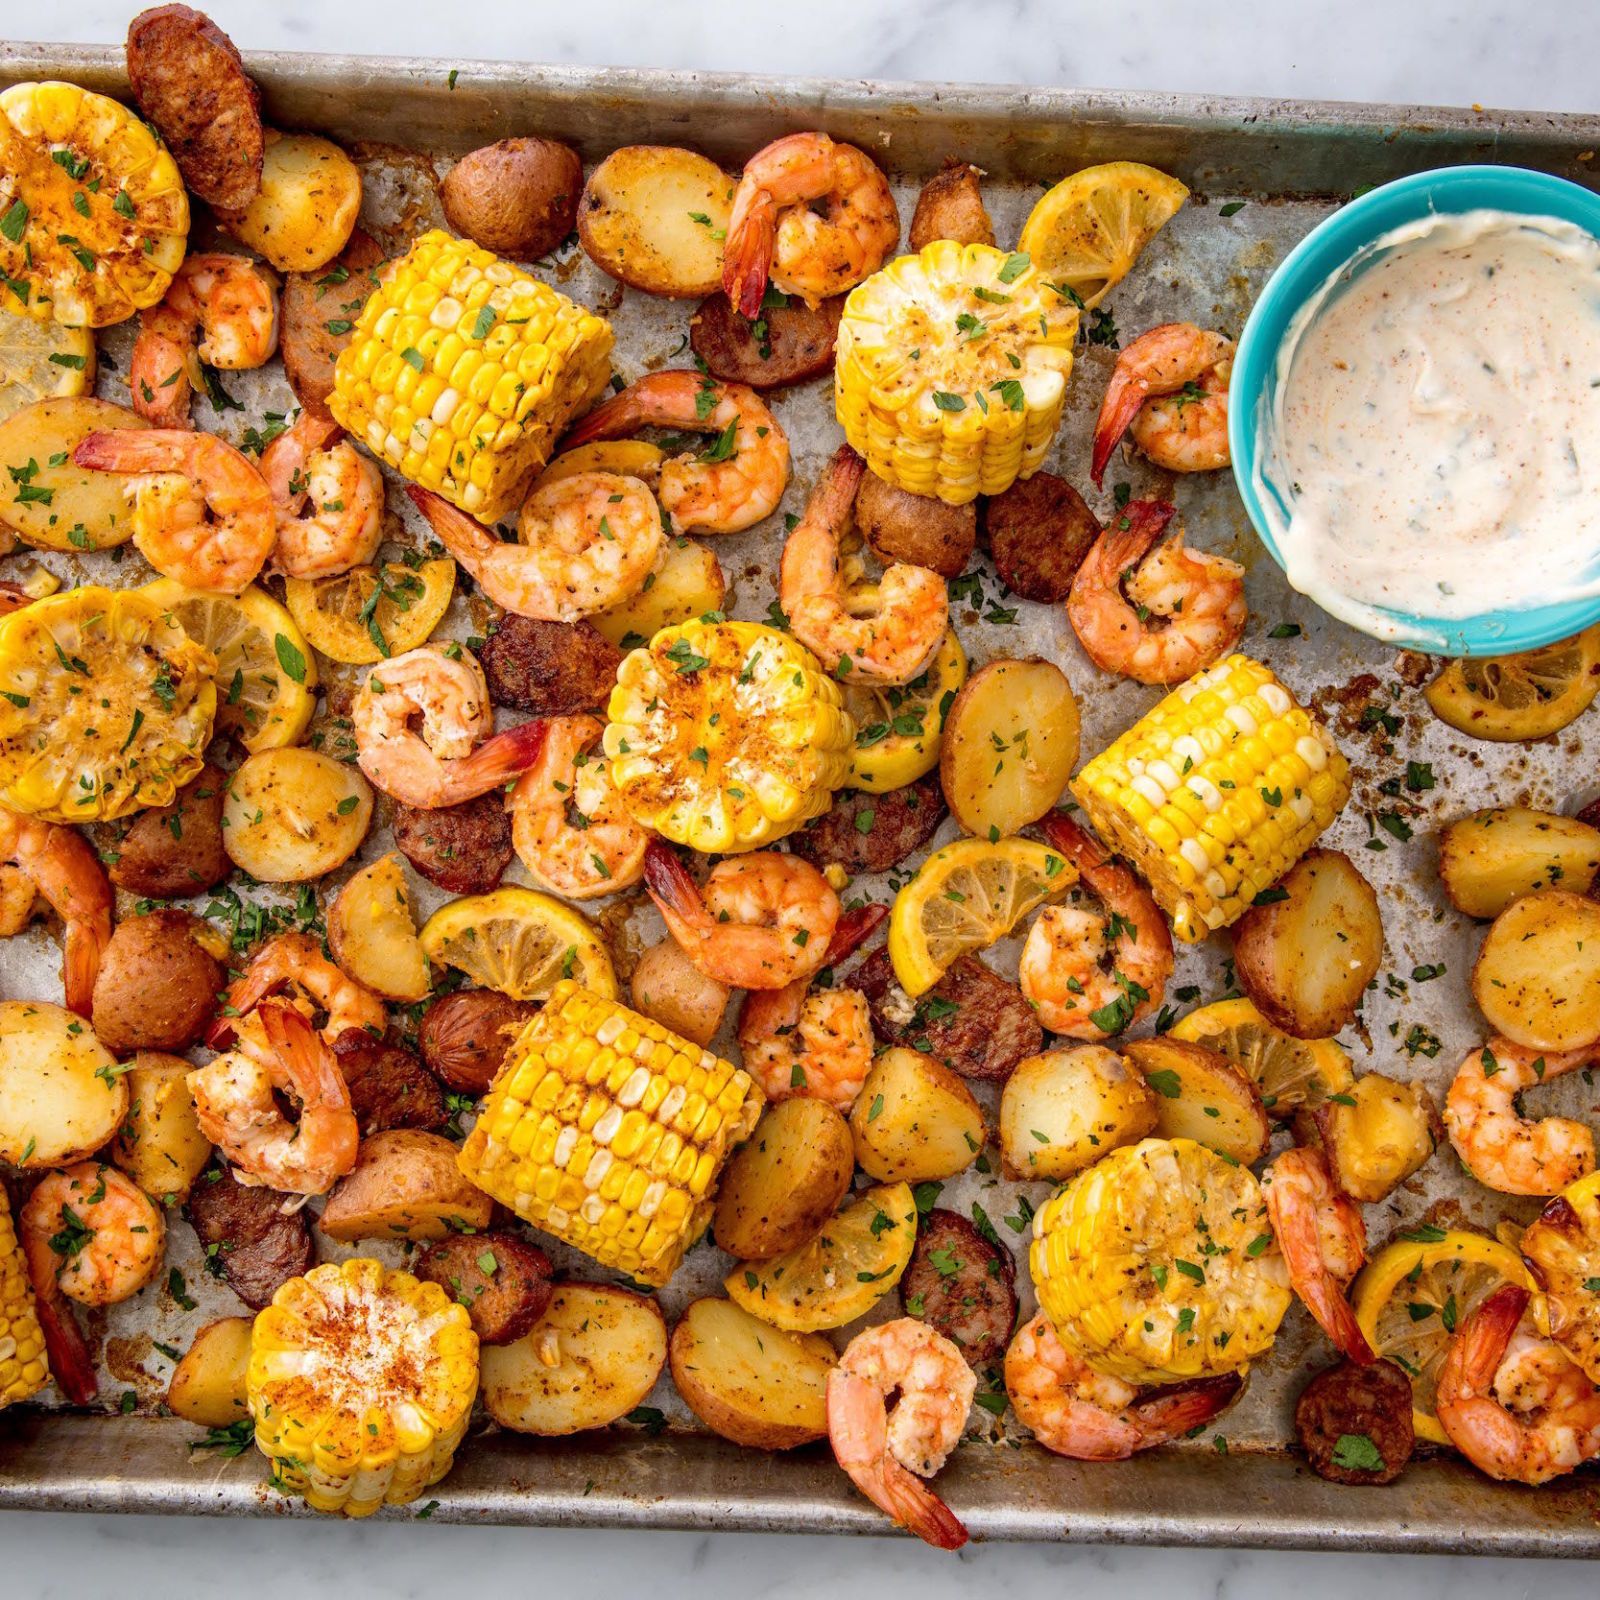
1435 431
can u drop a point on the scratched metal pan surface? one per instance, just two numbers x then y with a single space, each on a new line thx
1263 172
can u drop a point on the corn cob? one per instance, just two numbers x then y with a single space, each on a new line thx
23 1370
361 1382
463 370
952 369
1158 1264
1216 793
608 1131
725 736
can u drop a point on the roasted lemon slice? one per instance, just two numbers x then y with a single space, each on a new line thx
95 219
41 361
366 615
106 705
266 678
1289 1072
966 896
1525 696
1417 1291
898 731
1087 232
840 1274
520 942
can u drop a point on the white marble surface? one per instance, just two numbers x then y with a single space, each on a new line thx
1536 54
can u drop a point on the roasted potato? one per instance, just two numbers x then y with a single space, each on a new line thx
1306 956
1010 744
951 207
464 1036
158 983
293 814
670 988
405 1185
372 935
655 217
914 1120
207 1387
172 852
752 1383
61 1094
588 1361
1537 976
785 1180
68 507
1491 858
1374 1134
306 207
160 1145
1062 1110
516 197
687 582
1200 1095
914 528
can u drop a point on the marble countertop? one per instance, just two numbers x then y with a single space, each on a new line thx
1539 54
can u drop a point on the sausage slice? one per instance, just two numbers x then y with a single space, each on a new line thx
319 311
464 1036
961 1284
463 849
1039 531
503 1281
1354 1423
550 669
786 344
914 528
389 1086
250 1241
872 832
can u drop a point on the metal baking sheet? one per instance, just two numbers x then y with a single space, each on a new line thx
1289 163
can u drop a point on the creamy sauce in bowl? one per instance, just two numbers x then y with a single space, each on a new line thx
1431 442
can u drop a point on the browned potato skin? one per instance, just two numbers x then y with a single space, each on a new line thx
951 207
912 528
517 197
405 1185
464 1036
172 852
1373 1135
667 987
1191 1064
785 1180
158 986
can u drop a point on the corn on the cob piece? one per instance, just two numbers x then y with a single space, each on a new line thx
361 1382
94 219
608 1131
1216 793
1158 1264
23 1369
952 369
463 370
725 736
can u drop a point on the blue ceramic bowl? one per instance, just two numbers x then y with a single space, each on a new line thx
1323 251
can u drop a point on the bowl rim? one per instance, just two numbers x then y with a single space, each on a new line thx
1330 246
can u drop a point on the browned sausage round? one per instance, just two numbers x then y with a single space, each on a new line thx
913 528
250 1241
872 832
1354 1422
157 986
464 1036
1039 532
951 207
188 79
788 343
550 669
389 1086
503 1281
171 852
463 849
319 310
962 1285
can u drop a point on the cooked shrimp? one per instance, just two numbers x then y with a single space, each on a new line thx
1514 1404
60 864
588 543
736 482
762 920
815 216
1090 973
882 1449
1324 1243
235 1103
295 961
882 633
230 304
797 1041
201 512
570 829
1171 387
436 765
1078 1412
1501 1147
1182 610
329 500
95 1231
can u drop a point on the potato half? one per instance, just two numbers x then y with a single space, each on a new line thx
1537 977
373 935
159 1144
914 1120
785 1180
303 214
294 814
61 1096
687 582
405 1185
208 1387
68 507
667 986
1063 1110
1200 1095
1491 858
1374 1134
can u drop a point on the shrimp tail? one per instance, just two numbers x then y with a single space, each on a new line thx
71 878
1131 536
311 1066
71 1364
1075 842
1124 395
128 450
672 886
916 1507
1338 1320
496 761
855 926
1478 1349
1175 1409
464 537
618 416
747 256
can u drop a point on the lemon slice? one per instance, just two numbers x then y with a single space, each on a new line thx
520 942
1087 232
1525 696
41 361
843 1272
358 618
1417 1291
266 677
966 896
1289 1072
